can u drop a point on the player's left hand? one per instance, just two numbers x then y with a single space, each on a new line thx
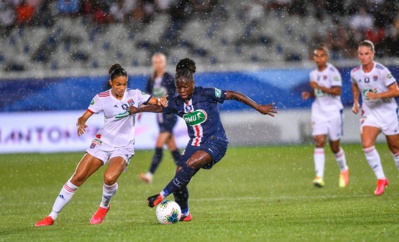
314 85
163 101
267 109
371 95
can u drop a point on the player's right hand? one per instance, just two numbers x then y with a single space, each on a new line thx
356 108
305 95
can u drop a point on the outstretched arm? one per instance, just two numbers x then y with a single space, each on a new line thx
146 108
268 109
81 124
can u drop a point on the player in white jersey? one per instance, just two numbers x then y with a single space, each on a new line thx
114 142
327 116
379 109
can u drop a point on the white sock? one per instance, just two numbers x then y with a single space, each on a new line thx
319 160
396 159
63 198
108 193
373 158
341 160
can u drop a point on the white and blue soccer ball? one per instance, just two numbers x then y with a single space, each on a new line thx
168 212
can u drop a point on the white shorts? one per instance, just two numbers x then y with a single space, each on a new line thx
387 128
332 127
106 152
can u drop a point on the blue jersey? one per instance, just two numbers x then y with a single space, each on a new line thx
164 86
201 114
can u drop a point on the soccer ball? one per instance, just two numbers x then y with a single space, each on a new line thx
168 212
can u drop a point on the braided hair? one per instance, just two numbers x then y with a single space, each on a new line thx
185 68
116 70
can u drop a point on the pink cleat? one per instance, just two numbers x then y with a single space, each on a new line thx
47 221
99 216
381 185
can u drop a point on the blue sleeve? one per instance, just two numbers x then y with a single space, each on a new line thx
171 108
215 94
170 85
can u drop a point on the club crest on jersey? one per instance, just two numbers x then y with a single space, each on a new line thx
130 102
194 118
324 77
375 78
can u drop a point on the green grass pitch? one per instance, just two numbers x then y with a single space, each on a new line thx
253 194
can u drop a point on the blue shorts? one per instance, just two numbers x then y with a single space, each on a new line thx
215 148
166 122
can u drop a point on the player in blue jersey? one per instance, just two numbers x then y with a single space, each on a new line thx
198 106
162 84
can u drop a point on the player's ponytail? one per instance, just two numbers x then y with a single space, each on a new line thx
116 70
185 68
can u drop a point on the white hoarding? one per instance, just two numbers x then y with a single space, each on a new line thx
56 132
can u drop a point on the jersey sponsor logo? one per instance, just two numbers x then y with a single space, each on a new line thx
375 78
195 118
365 91
122 115
92 102
218 93
389 75
336 79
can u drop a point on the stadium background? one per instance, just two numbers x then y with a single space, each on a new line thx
55 54
54 57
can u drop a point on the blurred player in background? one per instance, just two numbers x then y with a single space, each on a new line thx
198 106
379 110
162 84
327 115
114 142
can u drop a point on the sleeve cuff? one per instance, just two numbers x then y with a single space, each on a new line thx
90 111
146 102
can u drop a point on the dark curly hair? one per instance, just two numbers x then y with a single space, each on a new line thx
116 70
185 68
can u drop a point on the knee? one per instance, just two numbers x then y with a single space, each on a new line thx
367 144
394 149
335 150
78 179
319 143
110 179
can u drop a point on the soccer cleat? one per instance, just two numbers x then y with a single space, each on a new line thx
99 216
381 185
47 221
185 218
146 177
154 200
318 182
344 178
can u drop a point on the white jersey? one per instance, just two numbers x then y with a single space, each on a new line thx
325 105
377 80
118 128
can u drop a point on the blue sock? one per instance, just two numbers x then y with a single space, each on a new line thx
156 160
181 198
176 155
181 179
